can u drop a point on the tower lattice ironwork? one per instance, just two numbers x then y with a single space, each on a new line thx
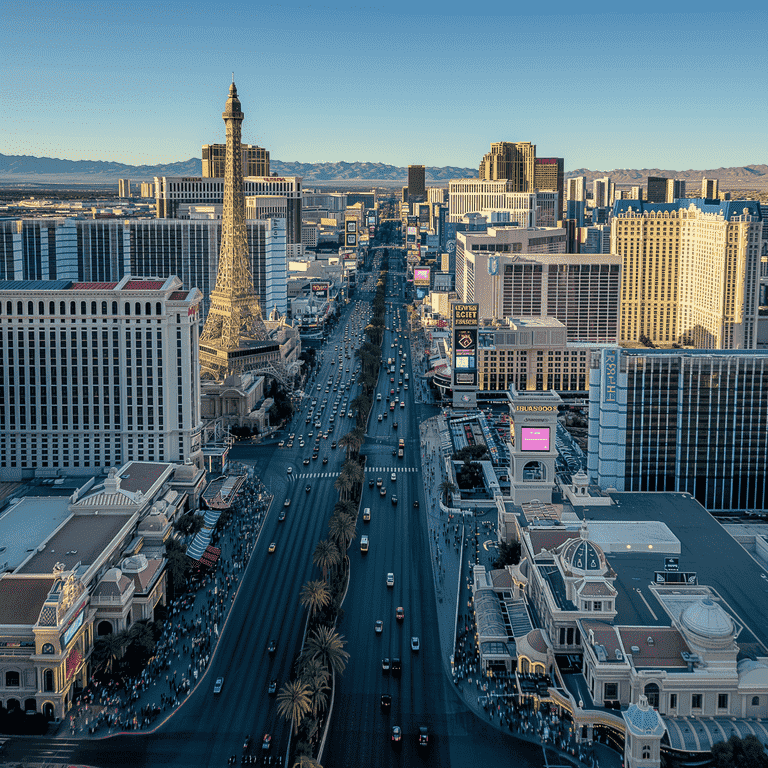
234 318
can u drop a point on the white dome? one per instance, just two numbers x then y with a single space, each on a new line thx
134 564
707 619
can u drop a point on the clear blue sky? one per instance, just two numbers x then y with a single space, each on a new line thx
674 85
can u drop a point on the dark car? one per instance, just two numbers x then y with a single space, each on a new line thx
308 488
281 516
325 459
273 687
266 743
397 734
385 666
370 482
306 461
271 647
386 702
415 504
333 445
397 667
423 736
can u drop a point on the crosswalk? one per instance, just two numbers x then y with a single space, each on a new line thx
321 475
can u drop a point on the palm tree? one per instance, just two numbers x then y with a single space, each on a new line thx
326 555
318 694
293 702
326 644
314 595
342 530
344 485
446 488
346 508
178 565
109 648
353 471
311 669
142 637
345 441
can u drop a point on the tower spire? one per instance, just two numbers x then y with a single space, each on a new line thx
234 319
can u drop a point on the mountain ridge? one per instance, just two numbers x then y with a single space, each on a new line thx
21 168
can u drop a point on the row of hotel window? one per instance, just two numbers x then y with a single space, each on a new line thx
137 308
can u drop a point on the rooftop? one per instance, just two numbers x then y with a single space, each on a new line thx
141 475
21 599
706 549
82 539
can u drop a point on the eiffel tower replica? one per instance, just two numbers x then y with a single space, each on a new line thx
234 337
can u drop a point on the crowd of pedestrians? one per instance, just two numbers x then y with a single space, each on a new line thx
188 637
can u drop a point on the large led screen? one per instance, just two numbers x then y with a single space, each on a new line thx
534 439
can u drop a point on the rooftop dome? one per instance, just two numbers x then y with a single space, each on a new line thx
134 564
707 619
113 574
584 556
643 719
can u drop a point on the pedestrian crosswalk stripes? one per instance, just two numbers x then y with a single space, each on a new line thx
321 475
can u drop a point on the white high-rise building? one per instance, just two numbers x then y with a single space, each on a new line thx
97 374
526 209
576 188
603 192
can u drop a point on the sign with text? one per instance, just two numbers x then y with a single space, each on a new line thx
351 226
421 276
465 315
320 290
610 374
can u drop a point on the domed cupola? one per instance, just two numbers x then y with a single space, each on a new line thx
584 557
707 622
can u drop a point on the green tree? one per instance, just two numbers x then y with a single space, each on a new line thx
294 703
108 649
315 595
326 555
509 554
344 485
178 565
326 644
141 636
189 524
342 530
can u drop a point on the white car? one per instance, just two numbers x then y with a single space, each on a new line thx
390 579
393 477
415 644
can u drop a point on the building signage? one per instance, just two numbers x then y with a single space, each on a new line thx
466 379
675 577
493 265
74 625
411 230
610 371
320 290
421 276
671 563
534 439
351 240
352 226
465 315
534 408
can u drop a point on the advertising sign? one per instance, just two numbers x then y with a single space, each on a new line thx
74 624
421 276
351 239
352 226
320 290
465 315
465 379
534 439
465 348
610 370
411 230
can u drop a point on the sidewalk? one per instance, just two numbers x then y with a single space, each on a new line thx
188 640
455 547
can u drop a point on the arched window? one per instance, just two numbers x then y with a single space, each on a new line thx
755 701
158 308
40 307
104 628
103 307
534 470
646 752
72 308
19 308
47 648
51 307
114 307
651 692
30 308
138 308
48 710
48 680
62 308
12 679
83 309
147 309
30 705
93 307
9 308
127 308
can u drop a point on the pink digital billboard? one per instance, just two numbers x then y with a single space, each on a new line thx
534 439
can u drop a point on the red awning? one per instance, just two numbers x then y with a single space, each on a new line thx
210 556
73 662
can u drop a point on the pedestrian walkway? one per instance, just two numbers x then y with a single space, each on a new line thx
392 469
188 638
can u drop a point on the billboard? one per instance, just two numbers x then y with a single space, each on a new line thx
465 379
320 290
465 348
534 439
351 226
411 230
351 240
465 315
610 370
421 275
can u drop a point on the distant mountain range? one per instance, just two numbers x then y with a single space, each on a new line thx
17 170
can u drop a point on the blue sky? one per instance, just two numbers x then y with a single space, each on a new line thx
674 85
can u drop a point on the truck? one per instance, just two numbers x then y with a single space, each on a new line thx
401 448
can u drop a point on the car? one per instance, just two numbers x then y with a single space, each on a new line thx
287 503
386 702
272 688
281 444
333 445
380 417
390 579
385 666
423 736
306 461
385 414
290 470
271 647
379 482
378 627
272 548
399 613
308 488
266 743
367 515
325 459
281 516
314 456
393 477
394 425
394 501
301 443
382 492
397 667
416 504
397 734
415 644
218 685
